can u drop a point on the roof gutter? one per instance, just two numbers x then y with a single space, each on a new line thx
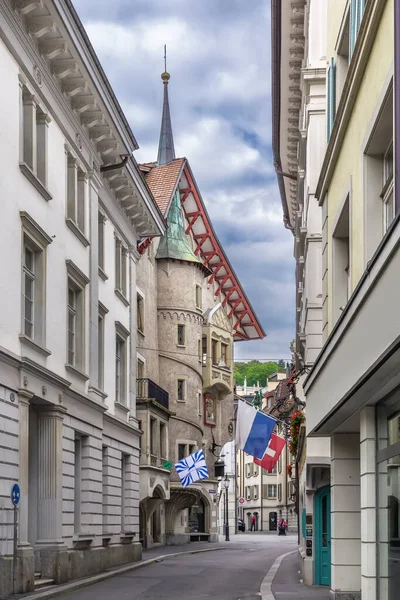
276 40
397 105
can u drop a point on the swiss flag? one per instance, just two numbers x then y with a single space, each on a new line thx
274 448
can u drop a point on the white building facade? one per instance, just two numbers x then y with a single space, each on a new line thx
69 232
300 141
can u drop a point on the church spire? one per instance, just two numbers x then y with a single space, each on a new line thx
166 150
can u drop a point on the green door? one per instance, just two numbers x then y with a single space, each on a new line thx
322 536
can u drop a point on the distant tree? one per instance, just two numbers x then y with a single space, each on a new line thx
254 371
282 365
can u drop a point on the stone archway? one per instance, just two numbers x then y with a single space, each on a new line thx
182 498
150 518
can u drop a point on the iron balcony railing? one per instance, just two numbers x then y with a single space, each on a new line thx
146 388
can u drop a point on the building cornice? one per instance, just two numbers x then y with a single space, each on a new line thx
365 39
46 42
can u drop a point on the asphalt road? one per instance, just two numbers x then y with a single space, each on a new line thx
236 572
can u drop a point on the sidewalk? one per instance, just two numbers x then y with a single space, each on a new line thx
286 584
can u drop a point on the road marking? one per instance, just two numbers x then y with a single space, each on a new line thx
266 585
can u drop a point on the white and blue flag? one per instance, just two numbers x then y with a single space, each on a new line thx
192 468
253 430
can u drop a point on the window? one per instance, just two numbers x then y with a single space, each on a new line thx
124 473
280 464
181 451
204 350
248 492
341 261
192 448
76 319
199 350
274 470
224 355
199 299
181 384
34 142
34 241
255 469
140 313
121 270
163 440
356 11
102 313
387 194
255 492
248 470
214 352
342 59
101 230
181 335
76 198
331 97
271 491
379 176
153 436
121 366
199 402
140 379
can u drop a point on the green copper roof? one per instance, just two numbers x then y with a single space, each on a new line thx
175 243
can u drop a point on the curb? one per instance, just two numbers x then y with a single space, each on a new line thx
61 590
266 584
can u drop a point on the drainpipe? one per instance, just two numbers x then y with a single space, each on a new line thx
397 105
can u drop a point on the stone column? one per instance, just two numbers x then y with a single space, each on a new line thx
24 401
345 516
368 503
50 423
26 562
131 495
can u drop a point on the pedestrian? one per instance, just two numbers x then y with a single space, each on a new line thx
282 526
253 523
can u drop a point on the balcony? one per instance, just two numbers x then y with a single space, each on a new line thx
146 388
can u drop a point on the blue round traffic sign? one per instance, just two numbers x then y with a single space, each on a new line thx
15 494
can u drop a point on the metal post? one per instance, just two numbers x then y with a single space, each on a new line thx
15 549
227 516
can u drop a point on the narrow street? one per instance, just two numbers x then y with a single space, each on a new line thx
233 573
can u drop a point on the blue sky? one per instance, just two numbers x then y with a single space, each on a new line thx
218 54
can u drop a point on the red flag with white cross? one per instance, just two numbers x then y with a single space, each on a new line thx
272 453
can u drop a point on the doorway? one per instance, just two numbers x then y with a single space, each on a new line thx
273 520
197 517
322 536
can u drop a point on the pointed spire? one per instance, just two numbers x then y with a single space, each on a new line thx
166 150
175 244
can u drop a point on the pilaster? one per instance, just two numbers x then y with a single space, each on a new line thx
50 431
368 503
24 398
345 516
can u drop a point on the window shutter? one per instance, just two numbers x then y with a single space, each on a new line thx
331 96
265 491
356 12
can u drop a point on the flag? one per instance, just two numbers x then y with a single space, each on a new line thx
253 430
192 468
272 453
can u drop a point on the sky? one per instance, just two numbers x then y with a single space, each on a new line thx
218 55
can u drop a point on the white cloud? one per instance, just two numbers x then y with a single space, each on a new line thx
219 60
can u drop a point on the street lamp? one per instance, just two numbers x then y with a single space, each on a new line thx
226 483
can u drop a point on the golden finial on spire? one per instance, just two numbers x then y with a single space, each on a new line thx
165 76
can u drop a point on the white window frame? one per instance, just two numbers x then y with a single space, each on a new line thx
102 311
76 198
121 364
121 270
387 194
272 491
36 241
77 281
34 122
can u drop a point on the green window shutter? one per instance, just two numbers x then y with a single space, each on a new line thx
331 97
303 522
356 13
